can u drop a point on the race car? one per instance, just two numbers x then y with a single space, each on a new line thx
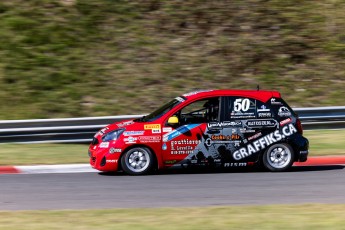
210 128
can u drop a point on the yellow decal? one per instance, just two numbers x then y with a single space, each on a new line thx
152 126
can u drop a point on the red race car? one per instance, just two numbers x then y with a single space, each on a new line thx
216 128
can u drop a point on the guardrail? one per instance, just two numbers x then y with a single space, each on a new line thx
81 130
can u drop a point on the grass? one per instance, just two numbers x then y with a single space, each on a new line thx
71 58
326 142
322 142
308 216
29 154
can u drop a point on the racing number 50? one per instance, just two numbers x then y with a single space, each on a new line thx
241 104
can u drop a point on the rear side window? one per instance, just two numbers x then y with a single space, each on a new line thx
263 110
280 108
247 108
241 108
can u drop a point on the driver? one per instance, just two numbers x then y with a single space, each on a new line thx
212 109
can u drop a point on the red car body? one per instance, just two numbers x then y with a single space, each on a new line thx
227 128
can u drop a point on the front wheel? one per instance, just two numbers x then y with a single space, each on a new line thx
137 161
278 157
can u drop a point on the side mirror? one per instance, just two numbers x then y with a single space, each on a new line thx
173 121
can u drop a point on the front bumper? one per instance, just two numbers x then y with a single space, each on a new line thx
102 160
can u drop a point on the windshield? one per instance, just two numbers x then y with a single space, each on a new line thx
162 110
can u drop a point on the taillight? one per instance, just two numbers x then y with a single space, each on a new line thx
299 126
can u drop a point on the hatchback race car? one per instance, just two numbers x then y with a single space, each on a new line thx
215 128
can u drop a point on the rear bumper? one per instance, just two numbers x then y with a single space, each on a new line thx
303 155
300 146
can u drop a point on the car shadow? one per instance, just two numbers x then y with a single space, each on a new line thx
316 168
228 170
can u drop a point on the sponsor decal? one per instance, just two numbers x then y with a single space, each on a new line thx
104 145
226 137
133 133
111 161
304 152
256 135
224 124
152 126
154 131
209 141
170 162
130 140
274 102
164 146
181 152
101 132
261 123
177 132
284 112
196 92
184 142
263 108
114 150
264 142
237 143
264 114
125 123
146 139
167 129
180 99
284 122
235 164
185 146
239 115
245 130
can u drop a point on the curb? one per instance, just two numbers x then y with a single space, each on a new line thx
322 160
40 169
81 168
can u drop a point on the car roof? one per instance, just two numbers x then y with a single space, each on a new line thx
261 95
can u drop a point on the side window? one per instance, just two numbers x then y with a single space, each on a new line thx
263 110
280 108
202 111
241 108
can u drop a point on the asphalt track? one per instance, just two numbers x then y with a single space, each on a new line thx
308 184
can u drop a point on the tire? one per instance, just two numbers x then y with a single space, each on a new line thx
278 157
137 161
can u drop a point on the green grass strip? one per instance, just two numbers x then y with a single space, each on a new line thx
307 216
28 154
326 142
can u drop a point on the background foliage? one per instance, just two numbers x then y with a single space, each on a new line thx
69 58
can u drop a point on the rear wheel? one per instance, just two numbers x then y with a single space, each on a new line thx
278 157
137 161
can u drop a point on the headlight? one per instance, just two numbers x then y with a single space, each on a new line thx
113 135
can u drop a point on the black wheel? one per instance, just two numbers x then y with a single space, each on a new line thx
137 161
278 157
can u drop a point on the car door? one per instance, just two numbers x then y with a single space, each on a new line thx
187 142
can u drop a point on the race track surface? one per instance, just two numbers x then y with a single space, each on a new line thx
323 184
